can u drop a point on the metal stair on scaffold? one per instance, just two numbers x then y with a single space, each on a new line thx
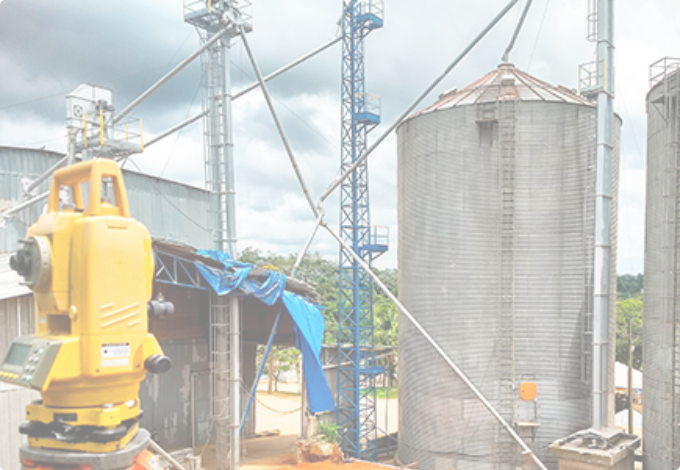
357 371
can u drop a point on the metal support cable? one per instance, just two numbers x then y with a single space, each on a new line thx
45 175
24 205
527 450
253 390
506 54
309 241
246 90
408 110
268 99
176 128
169 75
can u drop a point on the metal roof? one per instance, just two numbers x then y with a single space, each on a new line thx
10 282
506 83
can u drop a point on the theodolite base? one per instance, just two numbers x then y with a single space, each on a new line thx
122 459
84 439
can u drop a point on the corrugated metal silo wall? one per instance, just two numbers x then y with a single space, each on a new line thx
496 225
661 335
169 209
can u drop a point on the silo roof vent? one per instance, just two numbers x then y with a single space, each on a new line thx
448 93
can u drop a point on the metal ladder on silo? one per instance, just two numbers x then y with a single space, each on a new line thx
220 338
589 231
506 449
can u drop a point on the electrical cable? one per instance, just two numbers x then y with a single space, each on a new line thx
303 121
538 35
170 202
179 133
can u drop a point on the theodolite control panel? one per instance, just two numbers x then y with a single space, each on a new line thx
29 360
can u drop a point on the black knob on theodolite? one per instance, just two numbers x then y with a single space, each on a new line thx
158 364
21 262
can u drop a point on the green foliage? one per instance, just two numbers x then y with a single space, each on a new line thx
323 274
629 311
629 285
381 392
329 432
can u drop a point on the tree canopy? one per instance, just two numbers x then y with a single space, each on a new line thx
323 274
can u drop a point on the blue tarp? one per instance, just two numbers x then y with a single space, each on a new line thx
307 318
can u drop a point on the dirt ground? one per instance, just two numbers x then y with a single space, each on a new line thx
281 412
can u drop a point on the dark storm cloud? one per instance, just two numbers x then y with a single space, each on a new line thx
48 48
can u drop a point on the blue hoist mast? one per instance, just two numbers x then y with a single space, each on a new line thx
357 371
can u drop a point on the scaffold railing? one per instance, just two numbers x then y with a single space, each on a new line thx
662 68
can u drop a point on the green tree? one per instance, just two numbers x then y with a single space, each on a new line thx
323 274
629 311
629 285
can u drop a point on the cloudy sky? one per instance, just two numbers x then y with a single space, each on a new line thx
48 48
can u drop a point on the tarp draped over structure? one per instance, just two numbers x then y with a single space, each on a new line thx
307 318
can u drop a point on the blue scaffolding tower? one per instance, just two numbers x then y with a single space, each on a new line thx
357 371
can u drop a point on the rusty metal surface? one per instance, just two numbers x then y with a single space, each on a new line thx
506 83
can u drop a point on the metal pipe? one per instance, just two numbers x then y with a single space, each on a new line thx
603 210
46 175
527 450
192 392
168 76
516 33
174 129
253 389
286 68
228 154
630 377
247 89
159 450
25 204
408 110
235 381
268 99
302 253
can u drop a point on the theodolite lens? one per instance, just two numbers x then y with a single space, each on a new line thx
21 262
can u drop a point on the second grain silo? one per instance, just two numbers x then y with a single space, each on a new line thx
496 225
661 335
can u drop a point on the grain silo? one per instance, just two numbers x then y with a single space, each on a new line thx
661 335
496 225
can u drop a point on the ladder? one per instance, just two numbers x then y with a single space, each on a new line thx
506 450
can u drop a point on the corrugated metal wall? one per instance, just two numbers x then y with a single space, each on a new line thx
16 319
169 209
16 166
661 336
167 398
13 401
496 225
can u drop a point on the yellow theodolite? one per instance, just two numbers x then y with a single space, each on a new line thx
90 266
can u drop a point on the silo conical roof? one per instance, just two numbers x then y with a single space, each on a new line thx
506 82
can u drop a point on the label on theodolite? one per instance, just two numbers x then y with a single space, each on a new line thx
115 354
